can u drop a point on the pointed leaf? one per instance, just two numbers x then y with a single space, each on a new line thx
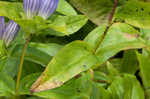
73 59
126 88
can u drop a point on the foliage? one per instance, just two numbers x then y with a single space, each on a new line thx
88 49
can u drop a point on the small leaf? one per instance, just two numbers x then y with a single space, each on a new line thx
26 83
144 64
129 62
65 8
66 25
95 36
112 71
11 10
7 85
99 92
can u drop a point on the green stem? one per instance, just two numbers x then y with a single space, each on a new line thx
21 65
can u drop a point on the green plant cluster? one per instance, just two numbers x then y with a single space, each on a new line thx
88 49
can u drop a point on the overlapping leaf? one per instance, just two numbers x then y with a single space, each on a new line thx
7 85
73 59
126 88
135 13
61 26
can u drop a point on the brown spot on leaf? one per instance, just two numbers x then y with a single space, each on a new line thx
46 86
130 36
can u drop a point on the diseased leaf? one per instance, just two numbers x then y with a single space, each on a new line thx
97 10
73 59
73 89
119 37
135 13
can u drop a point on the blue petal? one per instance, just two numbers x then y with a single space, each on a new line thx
31 7
2 26
47 8
10 32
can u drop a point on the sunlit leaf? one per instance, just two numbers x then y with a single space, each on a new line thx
73 59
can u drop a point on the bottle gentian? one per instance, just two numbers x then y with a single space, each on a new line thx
43 8
8 31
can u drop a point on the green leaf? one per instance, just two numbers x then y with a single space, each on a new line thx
49 48
65 8
2 63
38 52
73 59
35 98
66 25
32 26
61 26
144 64
10 67
126 88
129 62
26 83
58 26
99 92
147 94
73 89
11 10
145 35
3 52
7 85
116 62
135 13
95 36
101 79
97 10
112 71
119 37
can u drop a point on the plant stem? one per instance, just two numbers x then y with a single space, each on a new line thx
110 22
21 65
113 12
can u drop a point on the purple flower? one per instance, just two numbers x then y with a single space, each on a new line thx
43 8
8 31
31 7
2 26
